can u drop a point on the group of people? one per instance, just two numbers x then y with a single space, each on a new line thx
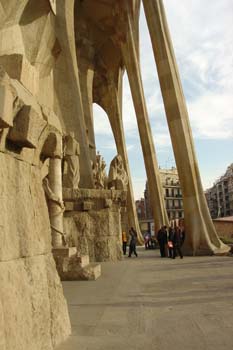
170 241
132 242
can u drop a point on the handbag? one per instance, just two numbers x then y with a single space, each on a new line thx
170 244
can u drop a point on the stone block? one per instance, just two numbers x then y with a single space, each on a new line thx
77 268
6 107
27 128
69 206
92 271
107 203
19 68
83 260
87 205
64 252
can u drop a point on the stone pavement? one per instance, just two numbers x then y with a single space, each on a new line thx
153 303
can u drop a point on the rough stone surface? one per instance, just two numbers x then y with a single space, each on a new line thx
94 224
25 228
96 233
27 128
34 313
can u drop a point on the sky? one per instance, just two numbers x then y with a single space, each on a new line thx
202 35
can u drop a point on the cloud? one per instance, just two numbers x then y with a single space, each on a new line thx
212 117
204 49
138 186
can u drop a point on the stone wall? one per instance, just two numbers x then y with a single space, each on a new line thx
32 306
224 228
92 223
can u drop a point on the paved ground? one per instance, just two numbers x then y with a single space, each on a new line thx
152 303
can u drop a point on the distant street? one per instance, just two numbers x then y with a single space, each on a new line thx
149 303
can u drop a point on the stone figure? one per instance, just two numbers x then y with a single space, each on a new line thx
55 211
71 171
50 195
99 172
117 177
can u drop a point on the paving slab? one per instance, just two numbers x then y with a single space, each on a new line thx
153 303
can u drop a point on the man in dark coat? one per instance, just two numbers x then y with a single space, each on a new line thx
162 239
178 240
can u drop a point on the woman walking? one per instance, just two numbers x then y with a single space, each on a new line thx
133 241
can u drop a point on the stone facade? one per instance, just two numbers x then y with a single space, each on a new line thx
56 59
220 196
34 312
141 208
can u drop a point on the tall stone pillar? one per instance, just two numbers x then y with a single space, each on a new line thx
114 112
55 207
68 101
86 74
131 61
201 235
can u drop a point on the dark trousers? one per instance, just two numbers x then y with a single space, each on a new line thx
177 248
162 250
170 252
124 247
132 249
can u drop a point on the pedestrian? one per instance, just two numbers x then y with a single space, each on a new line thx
178 240
147 240
162 239
124 242
132 243
171 233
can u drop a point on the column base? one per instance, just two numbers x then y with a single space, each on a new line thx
72 267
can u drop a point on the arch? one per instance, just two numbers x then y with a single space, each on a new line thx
104 135
49 145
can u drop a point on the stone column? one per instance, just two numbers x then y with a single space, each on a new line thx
131 61
55 207
201 235
113 109
68 101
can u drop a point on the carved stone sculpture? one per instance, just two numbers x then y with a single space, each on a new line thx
117 178
99 172
71 172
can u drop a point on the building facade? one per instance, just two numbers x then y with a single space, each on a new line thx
220 196
140 208
172 195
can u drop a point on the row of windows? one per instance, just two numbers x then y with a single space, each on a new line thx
173 192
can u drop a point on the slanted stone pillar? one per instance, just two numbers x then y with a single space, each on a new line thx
68 101
115 116
131 61
56 207
201 235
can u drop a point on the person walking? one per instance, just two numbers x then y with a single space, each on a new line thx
133 241
178 240
124 242
162 239
171 233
